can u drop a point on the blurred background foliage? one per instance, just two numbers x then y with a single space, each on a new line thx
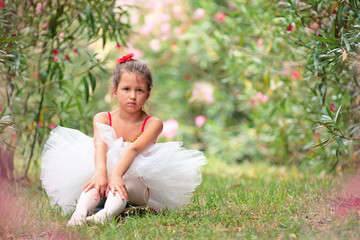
241 80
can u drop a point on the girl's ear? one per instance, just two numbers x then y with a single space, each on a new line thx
114 91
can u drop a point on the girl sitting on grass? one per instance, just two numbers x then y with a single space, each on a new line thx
122 163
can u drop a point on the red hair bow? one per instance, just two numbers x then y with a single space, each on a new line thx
125 58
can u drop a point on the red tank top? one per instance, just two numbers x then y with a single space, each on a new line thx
142 128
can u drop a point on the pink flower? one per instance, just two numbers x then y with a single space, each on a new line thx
261 97
75 51
232 6
40 124
220 17
38 8
165 28
316 135
0 107
332 107
295 75
52 126
203 91
45 25
314 26
260 43
2 4
200 120
37 75
170 128
118 45
146 29
55 58
198 14
290 27
55 52
67 57
155 44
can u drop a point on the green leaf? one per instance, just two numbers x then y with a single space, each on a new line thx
10 39
337 115
326 40
329 112
355 74
2 112
86 89
333 29
326 118
340 142
92 79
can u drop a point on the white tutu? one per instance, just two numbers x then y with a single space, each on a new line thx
171 172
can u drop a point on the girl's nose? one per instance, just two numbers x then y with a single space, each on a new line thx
132 95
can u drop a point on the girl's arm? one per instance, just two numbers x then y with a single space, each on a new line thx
100 180
152 130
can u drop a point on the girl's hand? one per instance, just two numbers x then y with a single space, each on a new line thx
99 181
117 184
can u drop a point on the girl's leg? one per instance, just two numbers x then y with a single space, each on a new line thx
86 202
114 205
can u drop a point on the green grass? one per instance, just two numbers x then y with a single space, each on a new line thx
247 201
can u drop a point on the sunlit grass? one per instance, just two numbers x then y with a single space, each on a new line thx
249 200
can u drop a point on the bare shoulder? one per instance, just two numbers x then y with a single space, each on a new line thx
154 122
101 117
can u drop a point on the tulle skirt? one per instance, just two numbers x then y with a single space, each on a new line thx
170 171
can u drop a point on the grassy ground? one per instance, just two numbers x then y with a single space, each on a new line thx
247 201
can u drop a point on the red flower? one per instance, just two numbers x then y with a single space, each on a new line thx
15 35
55 52
332 108
67 57
2 4
75 51
40 124
220 17
13 76
118 45
0 107
52 126
290 27
333 12
125 58
318 76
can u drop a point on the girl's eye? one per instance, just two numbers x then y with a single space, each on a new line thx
126 89
140 90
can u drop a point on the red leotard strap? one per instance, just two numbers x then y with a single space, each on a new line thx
142 129
109 118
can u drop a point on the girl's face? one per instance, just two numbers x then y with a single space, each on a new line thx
132 92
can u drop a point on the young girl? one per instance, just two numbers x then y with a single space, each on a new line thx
122 162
